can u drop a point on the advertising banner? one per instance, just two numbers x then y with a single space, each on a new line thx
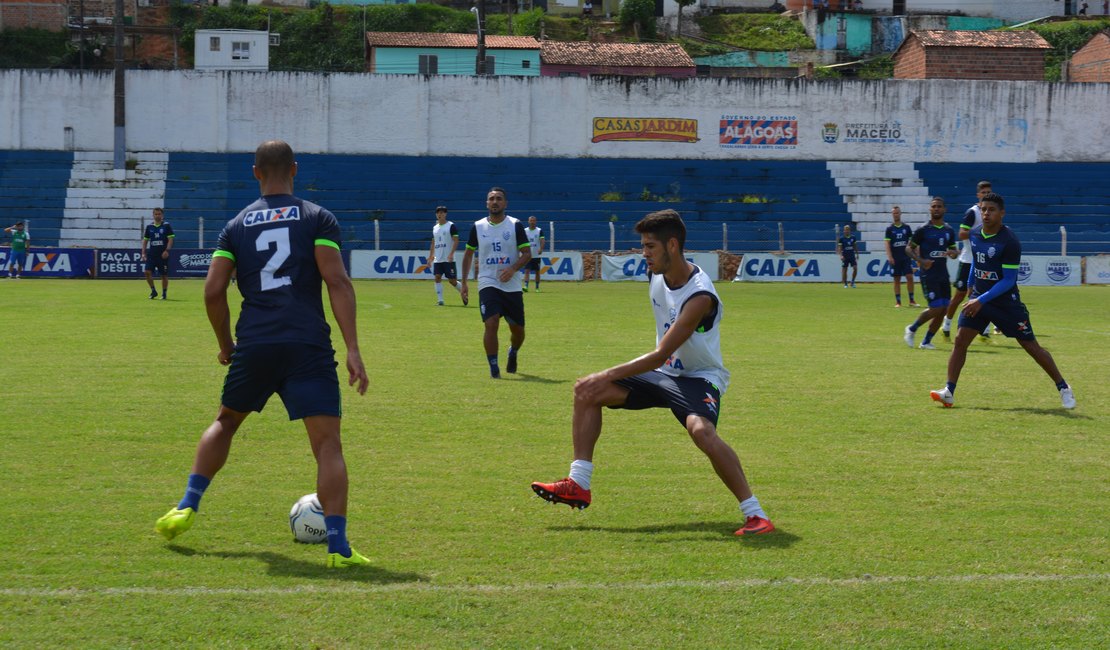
411 265
189 262
615 268
645 129
815 267
119 263
1098 269
1051 270
53 262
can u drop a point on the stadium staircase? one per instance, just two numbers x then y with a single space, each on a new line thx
107 208
871 189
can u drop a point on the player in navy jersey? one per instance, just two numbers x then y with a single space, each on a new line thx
846 249
282 248
995 259
972 219
931 246
897 237
684 373
158 237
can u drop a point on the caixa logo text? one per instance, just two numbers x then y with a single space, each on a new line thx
782 267
42 262
633 267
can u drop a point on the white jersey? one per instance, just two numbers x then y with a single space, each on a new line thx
973 218
700 355
441 238
534 237
498 246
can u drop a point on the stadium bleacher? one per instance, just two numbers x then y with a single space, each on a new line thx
33 189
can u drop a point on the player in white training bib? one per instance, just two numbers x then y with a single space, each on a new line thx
441 256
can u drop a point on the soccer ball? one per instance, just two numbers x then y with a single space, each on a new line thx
306 520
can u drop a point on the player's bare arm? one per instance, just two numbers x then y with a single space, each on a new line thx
451 251
215 303
341 293
468 257
889 253
693 312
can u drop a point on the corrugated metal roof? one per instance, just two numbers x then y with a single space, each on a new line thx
669 55
435 39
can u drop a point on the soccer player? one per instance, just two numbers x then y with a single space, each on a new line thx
995 258
685 373
972 219
503 250
536 241
159 237
897 236
846 249
445 239
931 246
282 247
21 239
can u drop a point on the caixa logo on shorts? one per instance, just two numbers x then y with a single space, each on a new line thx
1025 271
1058 271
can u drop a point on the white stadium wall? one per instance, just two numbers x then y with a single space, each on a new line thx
903 120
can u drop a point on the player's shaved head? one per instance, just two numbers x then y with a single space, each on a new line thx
273 157
664 225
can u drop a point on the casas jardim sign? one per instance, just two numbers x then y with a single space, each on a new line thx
645 129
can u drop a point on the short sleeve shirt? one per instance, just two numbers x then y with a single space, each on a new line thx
991 255
898 236
933 243
158 237
848 245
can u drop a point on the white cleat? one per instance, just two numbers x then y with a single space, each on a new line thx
928 346
908 336
944 396
1067 398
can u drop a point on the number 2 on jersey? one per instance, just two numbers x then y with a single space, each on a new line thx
279 238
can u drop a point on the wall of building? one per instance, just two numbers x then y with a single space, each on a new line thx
455 60
37 14
1012 10
1092 62
628 71
1012 64
407 115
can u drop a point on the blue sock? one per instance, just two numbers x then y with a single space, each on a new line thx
512 353
898 298
337 535
913 328
928 337
951 387
492 358
911 297
193 492
1061 385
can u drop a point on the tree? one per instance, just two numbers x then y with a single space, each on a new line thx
640 13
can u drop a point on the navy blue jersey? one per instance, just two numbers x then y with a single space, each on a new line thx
158 236
848 245
933 243
990 255
273 244
898 236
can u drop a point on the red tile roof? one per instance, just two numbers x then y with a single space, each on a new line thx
435 39
658 55
969 38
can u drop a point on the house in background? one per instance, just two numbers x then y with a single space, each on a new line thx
437 53
1006 55
231 49
1092 61
583 59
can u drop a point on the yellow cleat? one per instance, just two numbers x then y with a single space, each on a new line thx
175 522
337 561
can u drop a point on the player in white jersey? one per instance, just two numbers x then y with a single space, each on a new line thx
973 218
536 240
685 373
441 256
503 250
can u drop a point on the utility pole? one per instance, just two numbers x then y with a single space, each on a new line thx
480 14
119 157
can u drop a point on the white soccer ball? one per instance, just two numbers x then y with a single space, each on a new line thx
306 520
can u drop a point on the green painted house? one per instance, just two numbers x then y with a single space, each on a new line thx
440 53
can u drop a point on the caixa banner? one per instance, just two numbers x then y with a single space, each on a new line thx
53 262
633 267
409 265
815 267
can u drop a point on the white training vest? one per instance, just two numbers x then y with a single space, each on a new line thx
497 250
534 235
441 235
965 245
700 355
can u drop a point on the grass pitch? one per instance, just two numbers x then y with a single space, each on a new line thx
901 524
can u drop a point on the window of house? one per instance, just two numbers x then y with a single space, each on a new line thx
240 51
491 65
569 74
429 64
526 64
213 43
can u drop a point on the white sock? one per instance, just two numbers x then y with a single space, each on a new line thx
458 286
439 290
751 508
947 325
580 473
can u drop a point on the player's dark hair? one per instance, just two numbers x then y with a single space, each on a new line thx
664 225
441 208
498 189
938 198
273 157
982 185
995 199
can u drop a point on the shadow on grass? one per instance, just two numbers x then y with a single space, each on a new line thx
540 380
710 530
1056 411
280 565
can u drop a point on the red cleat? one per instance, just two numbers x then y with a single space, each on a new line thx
564 491
756 526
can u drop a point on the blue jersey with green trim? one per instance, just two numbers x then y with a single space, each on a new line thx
899 237
990 254
933 243
273 244
158 236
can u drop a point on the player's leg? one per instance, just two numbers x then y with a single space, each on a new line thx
964 337
149 273
439 289
855 270
489 342
331 487
527 269
844 273
536 267
909 286
165 278
727 466
897 290
516 340
514 316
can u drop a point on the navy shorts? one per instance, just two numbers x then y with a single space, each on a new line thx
154 262
937 289
446 269
848 260
961 276
495 302
302 375
1007 314
902 267
685 396
533 265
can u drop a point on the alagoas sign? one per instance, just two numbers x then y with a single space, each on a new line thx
645 129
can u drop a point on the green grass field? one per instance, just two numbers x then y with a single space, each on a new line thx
902 525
